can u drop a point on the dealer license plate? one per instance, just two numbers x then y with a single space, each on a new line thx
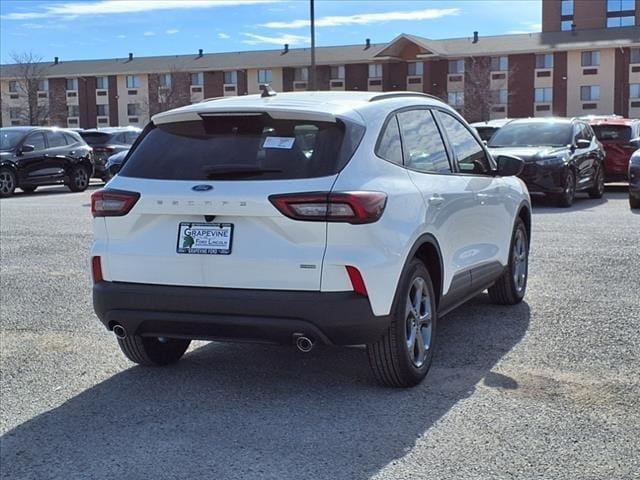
205 238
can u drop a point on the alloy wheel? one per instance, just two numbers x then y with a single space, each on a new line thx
81 178
519 261
418 322
569 188
7 183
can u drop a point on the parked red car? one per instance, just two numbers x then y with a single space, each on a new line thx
620 137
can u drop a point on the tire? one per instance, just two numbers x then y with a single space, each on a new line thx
28 189
152 352
566 198
393 361
510 288
597 190
634 202
7 182
79 179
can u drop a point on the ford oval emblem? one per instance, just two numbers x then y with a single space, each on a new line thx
202 188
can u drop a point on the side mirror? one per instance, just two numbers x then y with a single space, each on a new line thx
509 166
582 143
635 142
26 148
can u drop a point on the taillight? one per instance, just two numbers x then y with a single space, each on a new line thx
112 203
96 269
357 282
350 207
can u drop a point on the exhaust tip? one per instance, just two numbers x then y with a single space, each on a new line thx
304 344
119 331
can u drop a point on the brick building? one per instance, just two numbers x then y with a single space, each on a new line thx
585 61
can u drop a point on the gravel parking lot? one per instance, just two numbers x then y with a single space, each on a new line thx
549 389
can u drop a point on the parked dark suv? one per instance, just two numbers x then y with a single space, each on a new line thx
35 156
106 142
562 156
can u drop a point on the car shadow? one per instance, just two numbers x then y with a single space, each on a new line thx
582 201
252 411
48 190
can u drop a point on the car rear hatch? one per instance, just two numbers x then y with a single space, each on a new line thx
616 142
99 141
204 215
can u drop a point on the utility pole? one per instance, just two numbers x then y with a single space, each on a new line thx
312 72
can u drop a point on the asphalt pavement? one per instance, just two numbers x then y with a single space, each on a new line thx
548 389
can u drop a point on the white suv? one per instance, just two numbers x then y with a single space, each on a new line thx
334 217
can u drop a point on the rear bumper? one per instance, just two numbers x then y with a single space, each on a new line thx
272 316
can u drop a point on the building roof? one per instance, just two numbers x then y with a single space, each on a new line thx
339 55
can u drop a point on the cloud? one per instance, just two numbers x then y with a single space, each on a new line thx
281 40
108 7
149 34
529 27
121 36
224 36
172 31
367 18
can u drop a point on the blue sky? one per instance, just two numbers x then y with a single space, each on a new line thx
106 29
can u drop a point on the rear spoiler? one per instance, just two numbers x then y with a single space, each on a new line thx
274 112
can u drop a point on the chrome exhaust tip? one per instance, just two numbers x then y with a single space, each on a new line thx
304 344
119 331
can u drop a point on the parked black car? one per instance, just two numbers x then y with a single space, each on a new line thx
634 180
114 163
562 156
106 142
35 156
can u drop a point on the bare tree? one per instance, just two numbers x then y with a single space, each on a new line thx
479 99
172 95
30 74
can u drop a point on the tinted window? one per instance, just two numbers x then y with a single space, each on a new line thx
70 138
533 134
9 139
422 144
613 133
389 146
95 138
37 140
469 153
243 148
485 133
56 139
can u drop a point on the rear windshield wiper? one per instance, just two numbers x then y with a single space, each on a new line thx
225 171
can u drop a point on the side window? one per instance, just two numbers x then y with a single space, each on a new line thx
389 145
470 154
37 140
69 138
422 144
56 139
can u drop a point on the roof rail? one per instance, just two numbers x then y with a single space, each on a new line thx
385 96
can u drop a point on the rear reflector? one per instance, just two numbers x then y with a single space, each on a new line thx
112 203
349 207
96 269
356 281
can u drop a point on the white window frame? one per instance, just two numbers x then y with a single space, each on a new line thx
340 69
265 76
375 70
133 81
592 89
418 69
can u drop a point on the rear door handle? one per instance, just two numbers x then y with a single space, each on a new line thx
436 201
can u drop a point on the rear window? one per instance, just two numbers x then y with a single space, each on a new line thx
95 138
243 147
485 133
614 133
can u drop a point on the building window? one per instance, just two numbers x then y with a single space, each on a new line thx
499 64
614 6
72 84
544 60
634 90
231 78
591 59
566 8
543 95
337 73
133 81
375 70
43 85
73 110
456 66
621 13
566 25
197 78
264 76
628 21
500 96
14 87
103 110
14 113
164 80
416 69
102 83
133 109
635 55
301 74
590 93
456 98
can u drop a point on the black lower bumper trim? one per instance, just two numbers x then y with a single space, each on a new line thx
341 318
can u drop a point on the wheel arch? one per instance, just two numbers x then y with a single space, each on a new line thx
524 213
427 250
